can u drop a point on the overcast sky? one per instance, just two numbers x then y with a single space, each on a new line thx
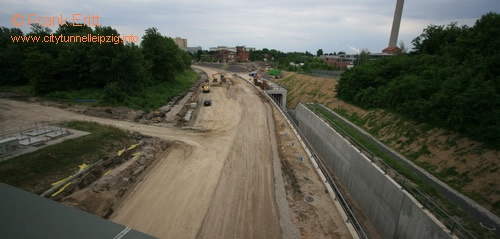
285 25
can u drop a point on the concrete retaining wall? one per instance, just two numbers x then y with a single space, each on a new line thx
394 212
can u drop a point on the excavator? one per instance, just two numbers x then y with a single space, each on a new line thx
222 77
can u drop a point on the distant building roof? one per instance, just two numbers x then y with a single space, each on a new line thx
392 50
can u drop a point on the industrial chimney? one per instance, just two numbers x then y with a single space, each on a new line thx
393 41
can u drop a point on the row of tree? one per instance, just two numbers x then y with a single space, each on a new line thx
119 67
451 79
282 60
279 59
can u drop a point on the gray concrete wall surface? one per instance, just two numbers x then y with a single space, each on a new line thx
395 213
469 206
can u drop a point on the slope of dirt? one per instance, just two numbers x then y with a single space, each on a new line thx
464 164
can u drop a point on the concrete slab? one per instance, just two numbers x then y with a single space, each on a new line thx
10 139
37 132
32 141
28 148
56 134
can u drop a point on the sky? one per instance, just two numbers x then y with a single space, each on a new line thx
285 25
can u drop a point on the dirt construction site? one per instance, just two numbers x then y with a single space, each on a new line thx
231 170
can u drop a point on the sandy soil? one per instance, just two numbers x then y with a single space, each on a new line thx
215 182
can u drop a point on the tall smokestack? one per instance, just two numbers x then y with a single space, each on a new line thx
396 22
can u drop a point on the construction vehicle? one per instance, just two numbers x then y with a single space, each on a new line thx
256 79
207 102
222 77
275 73
205 88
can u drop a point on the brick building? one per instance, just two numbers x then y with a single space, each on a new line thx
232 54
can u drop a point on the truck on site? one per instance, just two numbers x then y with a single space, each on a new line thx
256 79
275 73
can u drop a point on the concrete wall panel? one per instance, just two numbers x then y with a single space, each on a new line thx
417 222
394 212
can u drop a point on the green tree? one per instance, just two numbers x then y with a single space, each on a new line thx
450 80
435 39
363 57
101 56
166 58
11 57
72 29
319 52
40 69
402 46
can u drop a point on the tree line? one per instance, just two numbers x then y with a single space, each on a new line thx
277 59
450 79
282 60
120 69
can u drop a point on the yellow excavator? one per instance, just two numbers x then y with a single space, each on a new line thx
222 77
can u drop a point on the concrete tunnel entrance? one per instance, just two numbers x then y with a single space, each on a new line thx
278 94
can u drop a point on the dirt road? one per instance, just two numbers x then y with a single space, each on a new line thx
216 170
214 183
243 205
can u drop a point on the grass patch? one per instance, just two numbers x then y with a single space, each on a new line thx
153 97
289 82
496 206
341 111
24 89
448 172
35 171
84 94
424 150
427 166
